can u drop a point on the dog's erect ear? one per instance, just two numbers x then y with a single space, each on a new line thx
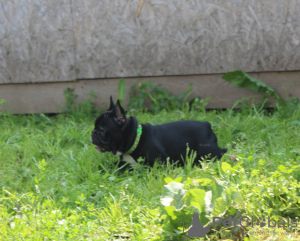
112 105
119 113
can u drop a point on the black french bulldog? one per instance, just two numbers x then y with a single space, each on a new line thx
123 136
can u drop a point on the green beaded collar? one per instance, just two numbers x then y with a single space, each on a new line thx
136 142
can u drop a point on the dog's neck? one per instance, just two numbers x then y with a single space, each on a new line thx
129 135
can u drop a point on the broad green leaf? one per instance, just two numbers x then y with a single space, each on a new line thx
203 181
174 187
226 167
189 181
176 219
217 189
177 202
168 180
178 179
166 201
254 172
195 198
173 194
237 197
240 156
232 195
250 158
243 80
220 206
171 212
208 202
282 168
296 122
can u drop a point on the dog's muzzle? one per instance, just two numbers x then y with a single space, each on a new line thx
98 143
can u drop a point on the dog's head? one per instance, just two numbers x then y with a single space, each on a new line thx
109 127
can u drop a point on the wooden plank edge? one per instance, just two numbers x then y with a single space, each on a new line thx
49 97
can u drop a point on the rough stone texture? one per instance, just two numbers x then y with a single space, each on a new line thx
63 40
36 41
185 37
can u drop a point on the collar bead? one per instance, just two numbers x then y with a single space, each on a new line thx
136 141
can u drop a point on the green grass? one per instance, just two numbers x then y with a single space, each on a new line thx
55 186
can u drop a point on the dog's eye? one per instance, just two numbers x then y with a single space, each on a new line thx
101 130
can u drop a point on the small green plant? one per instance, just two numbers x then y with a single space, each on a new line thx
243 80
2 102
70 99
156 98
197 104
285 107
215 198
234 194
86 107
147 96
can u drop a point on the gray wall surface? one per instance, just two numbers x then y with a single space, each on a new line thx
65 40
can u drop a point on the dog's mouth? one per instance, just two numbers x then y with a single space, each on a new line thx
100 149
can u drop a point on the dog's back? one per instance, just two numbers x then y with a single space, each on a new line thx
170 140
